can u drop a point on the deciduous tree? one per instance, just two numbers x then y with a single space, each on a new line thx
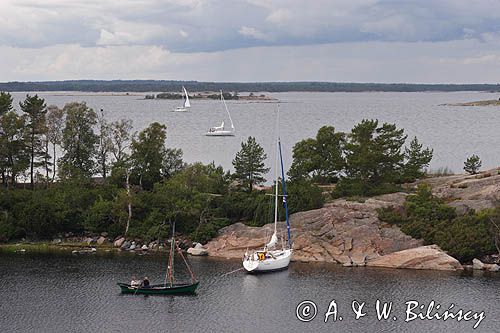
79 142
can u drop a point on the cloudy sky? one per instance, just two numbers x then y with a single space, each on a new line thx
426 41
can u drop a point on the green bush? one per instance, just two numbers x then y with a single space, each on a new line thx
209 230
429 218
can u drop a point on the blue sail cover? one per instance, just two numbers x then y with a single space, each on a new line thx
285 202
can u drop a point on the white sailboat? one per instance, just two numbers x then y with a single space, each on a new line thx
270 258
222 130
186 105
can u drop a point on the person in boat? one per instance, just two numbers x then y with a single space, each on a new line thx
134 282
145 282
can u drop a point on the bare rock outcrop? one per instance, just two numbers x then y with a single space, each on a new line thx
423 257
468 192
345 232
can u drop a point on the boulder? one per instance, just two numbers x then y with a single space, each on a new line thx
101 240
104 234
144 247
423 257
132 246
89 240
125 245
197 251
119 242
479 265
57 241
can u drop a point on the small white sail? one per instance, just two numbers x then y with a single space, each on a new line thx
273 241
186 101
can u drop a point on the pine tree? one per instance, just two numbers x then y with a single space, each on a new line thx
417 159
249 164
472 164
35 109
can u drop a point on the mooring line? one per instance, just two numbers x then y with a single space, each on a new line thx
236 270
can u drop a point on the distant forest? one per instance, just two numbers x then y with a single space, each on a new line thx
171 86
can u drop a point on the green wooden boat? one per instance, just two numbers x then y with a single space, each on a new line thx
169 287
160 289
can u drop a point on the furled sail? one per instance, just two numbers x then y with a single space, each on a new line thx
273 241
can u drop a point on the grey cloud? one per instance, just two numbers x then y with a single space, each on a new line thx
215 25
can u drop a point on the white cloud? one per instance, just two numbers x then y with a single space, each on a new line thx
253 33
423 62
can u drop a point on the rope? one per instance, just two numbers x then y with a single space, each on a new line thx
193 277
236 270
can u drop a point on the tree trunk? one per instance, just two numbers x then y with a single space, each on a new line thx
46 164
32 160
129 202
54 165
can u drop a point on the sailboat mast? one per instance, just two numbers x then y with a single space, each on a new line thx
276 174
172 246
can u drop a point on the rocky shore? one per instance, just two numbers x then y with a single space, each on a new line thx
350 233
492 102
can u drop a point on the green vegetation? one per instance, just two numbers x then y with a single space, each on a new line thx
173 86
369 160
143 184
249 164
463 236
472 164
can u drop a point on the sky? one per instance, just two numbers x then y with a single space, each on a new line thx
414 41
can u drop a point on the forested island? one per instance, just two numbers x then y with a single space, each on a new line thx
175 86
113 183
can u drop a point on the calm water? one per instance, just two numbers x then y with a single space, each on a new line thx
63 293
453 132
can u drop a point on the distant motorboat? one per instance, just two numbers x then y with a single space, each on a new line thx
186 105
222 130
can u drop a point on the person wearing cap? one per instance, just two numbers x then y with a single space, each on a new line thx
145 282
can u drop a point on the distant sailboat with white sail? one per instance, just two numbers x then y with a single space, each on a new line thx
270 258
186 105
222 130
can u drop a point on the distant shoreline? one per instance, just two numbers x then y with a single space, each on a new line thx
148 86
491 102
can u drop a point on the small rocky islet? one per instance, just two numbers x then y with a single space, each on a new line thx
491 102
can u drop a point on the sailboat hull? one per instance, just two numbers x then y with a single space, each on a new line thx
220 133
275 261
180 109
159 289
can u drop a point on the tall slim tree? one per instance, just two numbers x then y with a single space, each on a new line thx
121 137
249 163
14 152
5 106
79 142
105 144
35 109
55 124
